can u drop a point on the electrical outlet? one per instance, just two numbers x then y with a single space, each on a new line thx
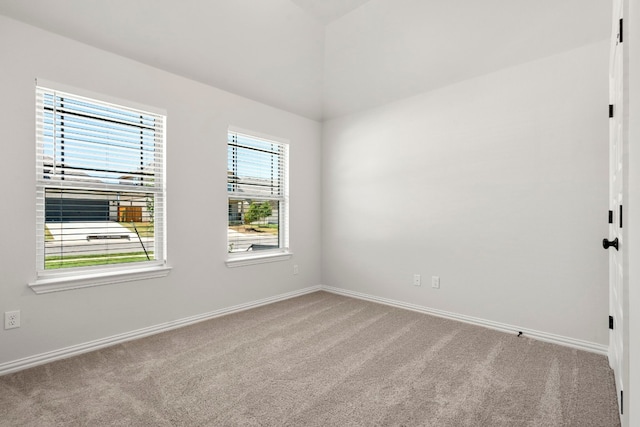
12 319
435 282
296 270
416 280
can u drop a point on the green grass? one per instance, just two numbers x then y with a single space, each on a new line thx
68 261
145 229
269 226
47 235
260 228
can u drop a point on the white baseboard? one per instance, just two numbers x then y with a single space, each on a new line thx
51 356
538 335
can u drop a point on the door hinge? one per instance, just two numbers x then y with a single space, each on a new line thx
610 322
620 33
621 402
610 217
620 216
610 110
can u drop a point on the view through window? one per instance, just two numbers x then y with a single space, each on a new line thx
100 183
256 186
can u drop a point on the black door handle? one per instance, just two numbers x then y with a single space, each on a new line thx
606 243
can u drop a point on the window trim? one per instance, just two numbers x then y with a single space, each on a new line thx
66 281
283 253
81 277
241 260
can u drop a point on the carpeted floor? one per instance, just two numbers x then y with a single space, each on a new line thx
318 360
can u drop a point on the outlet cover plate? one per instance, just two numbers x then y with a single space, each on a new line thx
435 282
416 280
12 319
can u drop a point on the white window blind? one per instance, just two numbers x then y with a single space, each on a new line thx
100 183
258 195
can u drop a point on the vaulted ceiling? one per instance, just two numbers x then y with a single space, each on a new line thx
324 58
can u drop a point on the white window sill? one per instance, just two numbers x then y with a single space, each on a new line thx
244 260
66 281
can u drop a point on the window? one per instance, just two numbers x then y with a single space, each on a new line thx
99 189
258 197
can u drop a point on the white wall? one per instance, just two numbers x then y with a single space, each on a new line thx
198 117
497 184
386 50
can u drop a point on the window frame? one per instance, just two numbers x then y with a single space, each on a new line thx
51 280
283 252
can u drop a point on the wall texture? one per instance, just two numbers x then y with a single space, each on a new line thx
197 120
497 184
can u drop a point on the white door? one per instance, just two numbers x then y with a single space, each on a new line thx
616 202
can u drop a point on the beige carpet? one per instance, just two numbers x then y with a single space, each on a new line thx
318 360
